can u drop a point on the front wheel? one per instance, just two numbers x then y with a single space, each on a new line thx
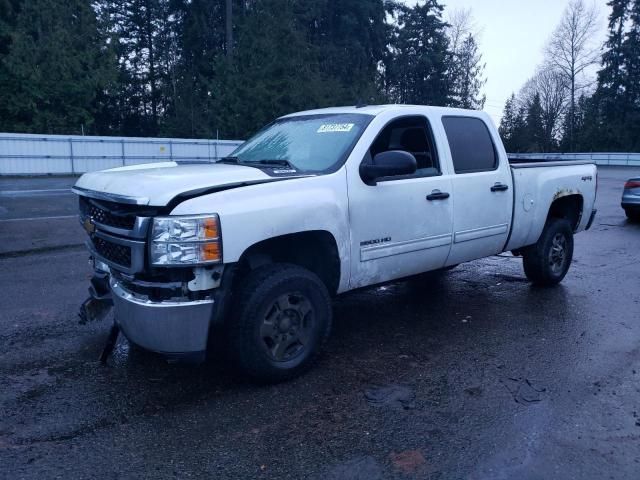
282 316
547 262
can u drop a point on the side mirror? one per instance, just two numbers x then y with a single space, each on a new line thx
388 164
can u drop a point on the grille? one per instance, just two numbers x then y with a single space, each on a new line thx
105 217
113 252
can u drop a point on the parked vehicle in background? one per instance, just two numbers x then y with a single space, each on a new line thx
631 199
317 204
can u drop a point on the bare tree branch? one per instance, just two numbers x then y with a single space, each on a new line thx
550 85
461 24
572 50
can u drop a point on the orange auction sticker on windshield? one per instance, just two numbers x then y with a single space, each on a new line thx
336 127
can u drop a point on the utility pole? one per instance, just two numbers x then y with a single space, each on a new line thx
229 27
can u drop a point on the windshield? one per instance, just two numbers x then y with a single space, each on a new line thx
311 143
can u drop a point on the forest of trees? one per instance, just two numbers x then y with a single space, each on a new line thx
585 97
208 68
202 68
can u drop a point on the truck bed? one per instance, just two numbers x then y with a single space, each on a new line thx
545 162
536 187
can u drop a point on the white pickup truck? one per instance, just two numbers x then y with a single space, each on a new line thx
251 250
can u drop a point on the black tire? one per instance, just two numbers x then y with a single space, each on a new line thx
632 215
547 262
281 318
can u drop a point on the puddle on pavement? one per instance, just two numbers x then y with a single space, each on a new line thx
397 397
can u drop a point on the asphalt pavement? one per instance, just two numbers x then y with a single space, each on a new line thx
38 214
470 375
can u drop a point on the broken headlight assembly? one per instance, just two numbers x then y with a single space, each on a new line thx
186 240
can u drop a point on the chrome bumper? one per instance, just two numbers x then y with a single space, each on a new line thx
167 327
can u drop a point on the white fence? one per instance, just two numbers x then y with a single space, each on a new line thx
619 159
24 154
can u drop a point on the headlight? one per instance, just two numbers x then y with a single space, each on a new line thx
186 240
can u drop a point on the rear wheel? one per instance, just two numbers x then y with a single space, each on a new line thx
282 316
547 262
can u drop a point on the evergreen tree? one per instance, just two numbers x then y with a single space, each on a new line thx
631 49
521 127
521 138
144 35
201 41
321 53
164 67
349 38
418 69
507 127
8 12
467 72
611 75
585 139
52 65
605 112
535 126
274 71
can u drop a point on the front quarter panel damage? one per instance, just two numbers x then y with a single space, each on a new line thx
256 213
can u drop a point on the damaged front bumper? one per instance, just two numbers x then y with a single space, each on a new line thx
176 327
172 328
99 303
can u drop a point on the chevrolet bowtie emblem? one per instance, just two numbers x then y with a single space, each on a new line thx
89 225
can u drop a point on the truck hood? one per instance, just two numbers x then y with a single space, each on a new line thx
157 184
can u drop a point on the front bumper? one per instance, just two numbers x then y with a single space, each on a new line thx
173 328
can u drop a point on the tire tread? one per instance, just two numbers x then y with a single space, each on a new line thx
259 282
534 258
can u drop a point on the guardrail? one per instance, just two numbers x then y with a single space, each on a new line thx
602 158
27 154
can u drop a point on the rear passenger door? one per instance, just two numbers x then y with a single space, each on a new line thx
482 190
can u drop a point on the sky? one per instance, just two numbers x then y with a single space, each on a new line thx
512 37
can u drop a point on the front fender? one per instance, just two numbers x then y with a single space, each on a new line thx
252 214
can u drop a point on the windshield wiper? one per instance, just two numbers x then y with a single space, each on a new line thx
276 162
229 160
253 163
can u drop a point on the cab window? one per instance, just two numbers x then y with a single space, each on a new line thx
413 135
472 149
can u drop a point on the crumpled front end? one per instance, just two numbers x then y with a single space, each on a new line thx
165 310
172 327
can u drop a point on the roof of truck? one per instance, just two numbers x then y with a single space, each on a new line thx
375 110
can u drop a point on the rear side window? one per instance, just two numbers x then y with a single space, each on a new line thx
470 143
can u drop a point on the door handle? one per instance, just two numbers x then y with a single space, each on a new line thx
500 187
437 195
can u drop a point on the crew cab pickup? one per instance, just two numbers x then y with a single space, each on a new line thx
249 251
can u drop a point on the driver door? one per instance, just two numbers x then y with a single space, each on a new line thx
403 225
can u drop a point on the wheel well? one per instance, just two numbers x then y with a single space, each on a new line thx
568 207
316 251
